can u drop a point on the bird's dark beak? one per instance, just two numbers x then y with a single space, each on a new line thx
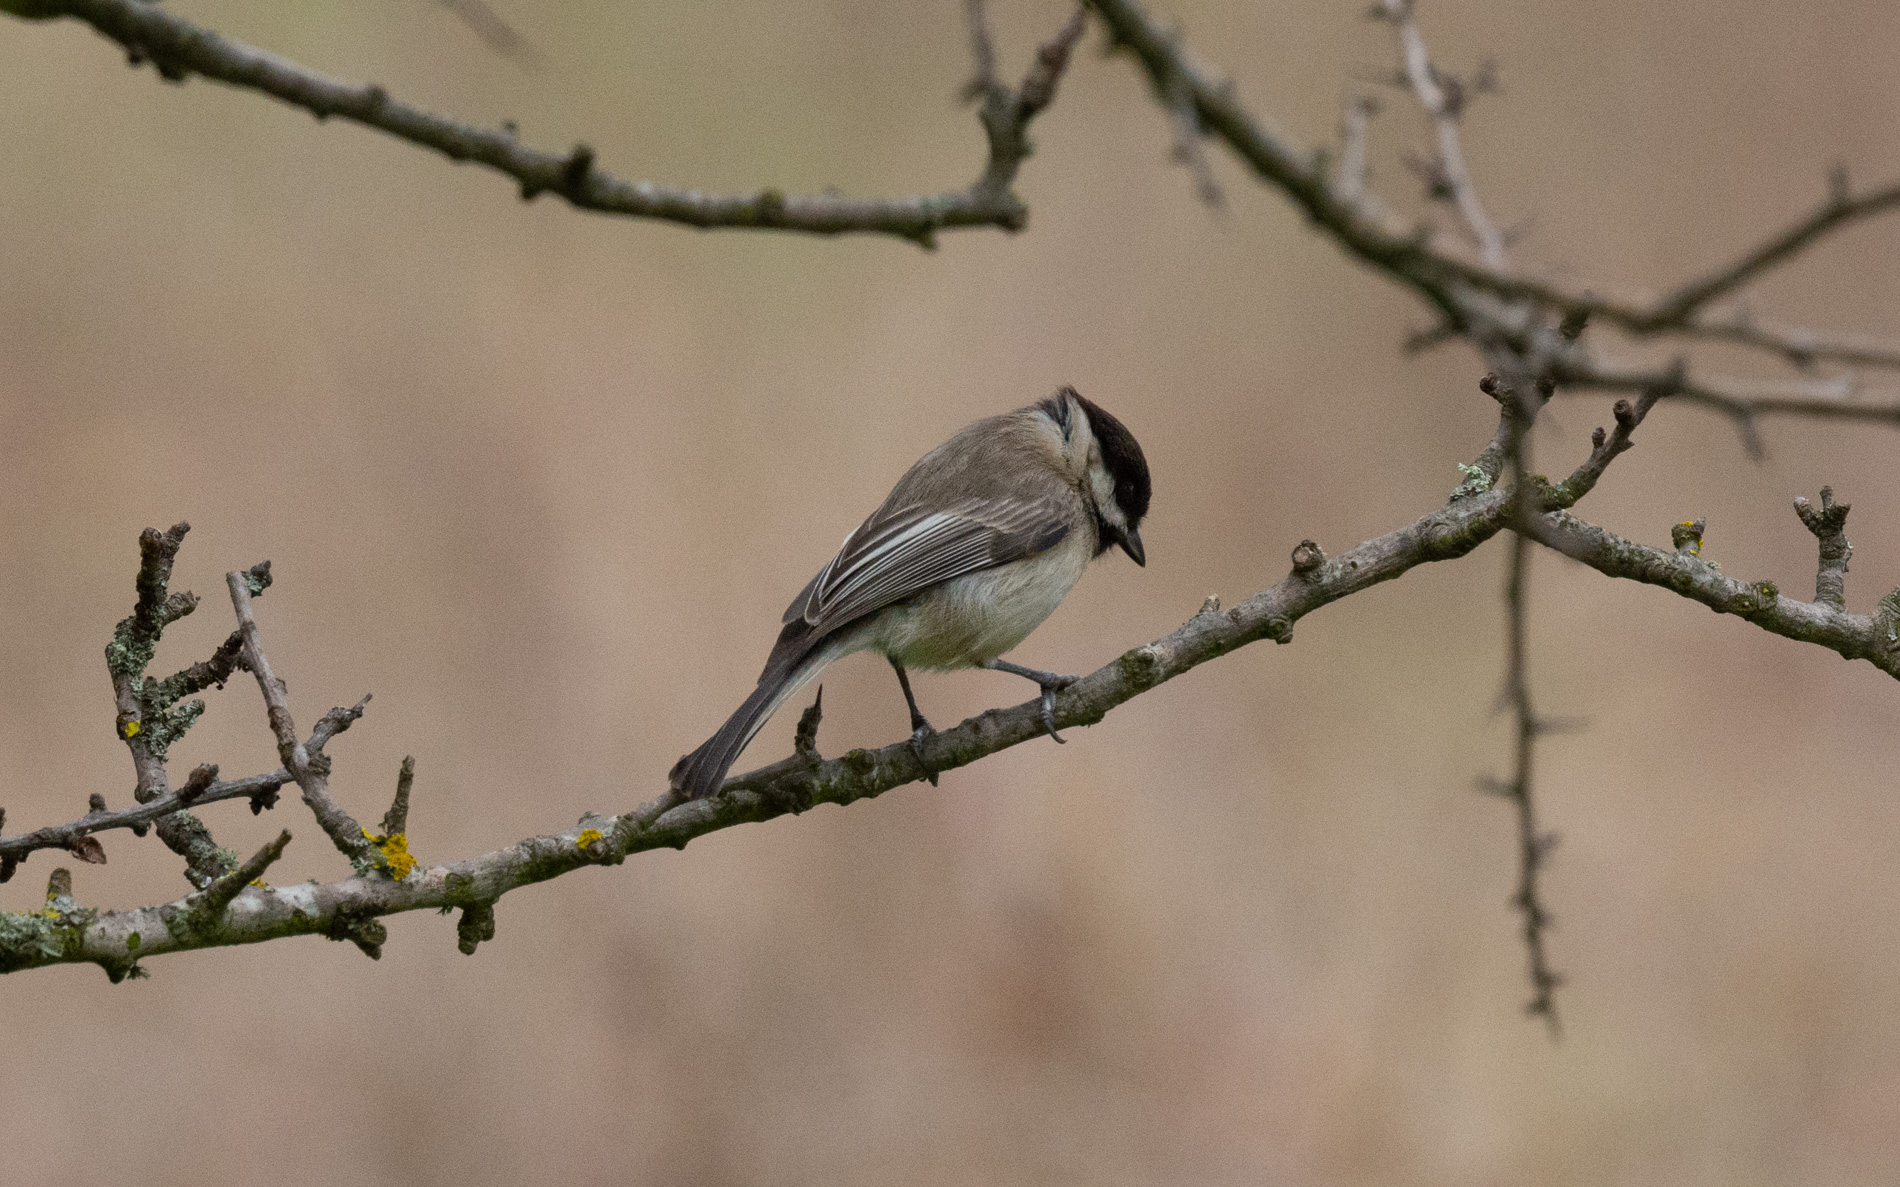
1131 544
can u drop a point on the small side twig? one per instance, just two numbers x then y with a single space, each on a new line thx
209 904
396 820
1349 183
311 775
1828 522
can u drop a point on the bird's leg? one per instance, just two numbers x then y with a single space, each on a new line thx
919 728
1049 682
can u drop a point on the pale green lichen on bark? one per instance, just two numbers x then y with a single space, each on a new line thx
1887 617
27 940
53 933
1477 481
168 724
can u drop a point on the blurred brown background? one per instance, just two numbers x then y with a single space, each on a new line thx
543 481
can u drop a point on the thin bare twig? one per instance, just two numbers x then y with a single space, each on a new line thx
310 771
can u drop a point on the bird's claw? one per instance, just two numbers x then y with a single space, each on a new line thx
917 735
1049 690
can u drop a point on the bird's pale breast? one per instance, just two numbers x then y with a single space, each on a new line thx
975 618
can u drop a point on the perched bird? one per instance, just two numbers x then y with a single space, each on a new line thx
976 545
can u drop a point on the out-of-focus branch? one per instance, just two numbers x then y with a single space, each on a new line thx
1444 107
1743 401
179 49
495 33
1355 127
1473 294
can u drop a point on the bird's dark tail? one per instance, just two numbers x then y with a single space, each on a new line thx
792 665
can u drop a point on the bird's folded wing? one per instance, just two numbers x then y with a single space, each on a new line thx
898 553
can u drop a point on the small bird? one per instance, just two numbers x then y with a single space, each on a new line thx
975 546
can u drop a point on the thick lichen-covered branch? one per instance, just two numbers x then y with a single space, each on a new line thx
348 909
180 49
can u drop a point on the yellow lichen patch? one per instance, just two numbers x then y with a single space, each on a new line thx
397 861
1695 540
588 837
131 729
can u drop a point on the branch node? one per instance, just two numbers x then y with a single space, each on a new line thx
360 928
476 927
574 172
1307 558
